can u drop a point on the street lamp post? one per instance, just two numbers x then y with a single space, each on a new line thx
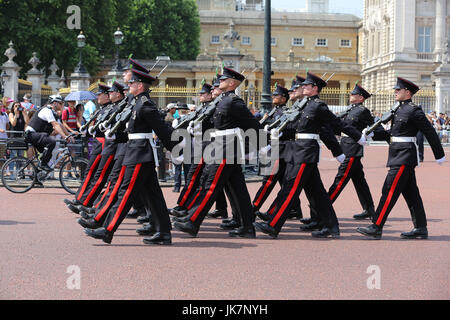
118 39
81 43
4 77
266 102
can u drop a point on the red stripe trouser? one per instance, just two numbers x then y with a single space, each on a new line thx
400 180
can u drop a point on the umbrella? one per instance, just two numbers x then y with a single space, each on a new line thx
80 95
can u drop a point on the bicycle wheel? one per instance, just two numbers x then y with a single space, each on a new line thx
72 173
18 174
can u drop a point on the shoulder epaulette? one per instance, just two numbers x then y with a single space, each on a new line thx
144 99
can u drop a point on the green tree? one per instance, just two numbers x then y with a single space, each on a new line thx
151 28
156 27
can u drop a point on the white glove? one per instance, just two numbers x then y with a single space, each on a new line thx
440 161
363 140
340 158
266 128
109 136
368 136
264 151
83 132
91 131
275 134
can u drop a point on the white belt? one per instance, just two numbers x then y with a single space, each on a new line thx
344 135
404 139
227 132
137 136
408 139
29 129
309 136
149 137
231 132
306 136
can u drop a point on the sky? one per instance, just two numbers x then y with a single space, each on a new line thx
336 6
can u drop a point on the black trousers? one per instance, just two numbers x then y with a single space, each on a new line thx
298 177
140 181
44 143
219 177
94 162
99 180
400 180
268 184
191 188
351 168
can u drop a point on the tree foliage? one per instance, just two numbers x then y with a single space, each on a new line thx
150 27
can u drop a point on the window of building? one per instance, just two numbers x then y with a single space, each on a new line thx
424 39
322 43
215 39
246 41
297 42
346 43
273 41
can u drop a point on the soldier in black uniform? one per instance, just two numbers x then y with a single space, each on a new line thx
104 202
359 117
231 116
95 156
287 140
107 155
408 119
140 179
301 170
279 99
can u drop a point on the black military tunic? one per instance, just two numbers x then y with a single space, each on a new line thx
139 177
351 168
105 165
94 160
226 173
301 170
402 159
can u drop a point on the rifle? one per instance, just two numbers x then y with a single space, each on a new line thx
122 118
289 116
100 119
208 111
269 115
385 118
92 118
104 125
187 119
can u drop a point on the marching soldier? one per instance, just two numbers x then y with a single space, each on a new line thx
301 169
230 117
104 202
140 179
279 99
95 156
408 119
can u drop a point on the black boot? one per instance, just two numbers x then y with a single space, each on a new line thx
136 213
372 231
178 211
263 216
218 213
86 215
147 230
416 233
314 225
266 228
187 227
89 223
233 224
327 233
366 214
100 233
159 238
243 232
143 219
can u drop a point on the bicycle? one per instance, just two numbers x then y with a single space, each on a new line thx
20 174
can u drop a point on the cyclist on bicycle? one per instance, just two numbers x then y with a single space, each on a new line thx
41 126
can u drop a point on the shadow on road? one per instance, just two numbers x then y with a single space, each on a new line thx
13 223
